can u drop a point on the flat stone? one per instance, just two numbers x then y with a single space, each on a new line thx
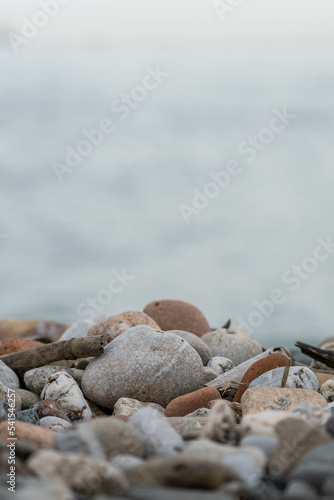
178 315
234 345
143 364
79 472
300 377
29 432
120 323
129 406
258 399
257 369
196 343
55 424
159 437
8 377
295 438
181 471
181 406
117 437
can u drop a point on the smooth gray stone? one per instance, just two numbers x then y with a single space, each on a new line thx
158 493
196 343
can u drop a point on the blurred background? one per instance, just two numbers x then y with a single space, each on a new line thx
228 69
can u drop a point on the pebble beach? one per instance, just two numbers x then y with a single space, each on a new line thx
158 404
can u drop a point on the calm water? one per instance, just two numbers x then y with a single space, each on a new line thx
120 207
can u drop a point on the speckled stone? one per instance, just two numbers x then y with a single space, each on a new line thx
232 344
28 398
120 323
220 364
43 438
143 364
258 368
128 406
182 470
50 408
29 416
181 406
258 399
300 377
196 343
178 315
8 377
9 346
36 378
327 390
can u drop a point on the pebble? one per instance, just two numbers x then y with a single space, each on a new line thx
209 374
234 345
258 399
265 443
79 472
77 330
311 413
300 377
182 471
128 406
125 462
143 364
120 323
261 423
81 439
295 438
50 408
323 377
201 412
257 369
220 364
316 466
9 346
29 432
196 343
117 436
178 315
55 424
159 437
187 426
300 489
220 424
36 378
8 377
181 406
327 390
29 416
28 398
63 388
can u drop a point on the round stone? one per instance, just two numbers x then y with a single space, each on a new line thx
9 346
232 344
55 424
178 315
8 377
28 398
196 343
183 405
120 323
143 364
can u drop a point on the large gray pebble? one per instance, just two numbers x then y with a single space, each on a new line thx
8 377
55 424
300 377
143 364
234 345
196 343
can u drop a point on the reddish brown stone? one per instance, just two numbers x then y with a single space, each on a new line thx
181 406
261 366
119 323
35 434
178 315
50 408
9 346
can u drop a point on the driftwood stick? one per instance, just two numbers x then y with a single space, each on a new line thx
49 353
326 357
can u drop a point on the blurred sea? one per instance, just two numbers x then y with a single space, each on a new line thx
120 207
